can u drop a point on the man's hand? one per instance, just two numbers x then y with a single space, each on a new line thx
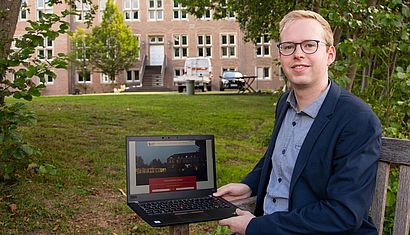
233 191
238 224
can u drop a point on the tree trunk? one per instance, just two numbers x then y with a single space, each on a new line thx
9 14
316 5
353 66
337 34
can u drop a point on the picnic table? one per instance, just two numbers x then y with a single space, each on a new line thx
247 85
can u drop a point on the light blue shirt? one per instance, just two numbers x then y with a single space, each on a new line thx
291 136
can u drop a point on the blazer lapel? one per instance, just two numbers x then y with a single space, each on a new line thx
318 125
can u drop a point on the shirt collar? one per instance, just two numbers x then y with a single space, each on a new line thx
312 109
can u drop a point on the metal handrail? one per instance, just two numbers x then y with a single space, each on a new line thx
142 70
164 65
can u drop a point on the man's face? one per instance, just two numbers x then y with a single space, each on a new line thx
301 69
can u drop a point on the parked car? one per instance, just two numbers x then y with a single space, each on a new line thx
232 80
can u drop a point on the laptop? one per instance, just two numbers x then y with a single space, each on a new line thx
170 180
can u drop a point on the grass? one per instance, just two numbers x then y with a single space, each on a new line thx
84 138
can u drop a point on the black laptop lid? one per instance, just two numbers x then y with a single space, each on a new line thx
167 167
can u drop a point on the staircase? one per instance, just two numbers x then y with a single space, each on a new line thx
151 81
152 77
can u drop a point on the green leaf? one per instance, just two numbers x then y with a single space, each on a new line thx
47 169
27 149
34 91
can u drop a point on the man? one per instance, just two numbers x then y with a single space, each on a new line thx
318 173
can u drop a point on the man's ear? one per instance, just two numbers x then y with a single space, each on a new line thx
331 55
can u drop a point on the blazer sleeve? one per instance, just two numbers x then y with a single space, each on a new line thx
349 189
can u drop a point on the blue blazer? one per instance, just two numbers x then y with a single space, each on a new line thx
334 176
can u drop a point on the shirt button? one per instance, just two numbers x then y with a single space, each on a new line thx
293 123
274 200
284 151
279 180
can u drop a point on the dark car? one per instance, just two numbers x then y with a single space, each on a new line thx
232 80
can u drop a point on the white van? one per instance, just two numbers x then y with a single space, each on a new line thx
198 69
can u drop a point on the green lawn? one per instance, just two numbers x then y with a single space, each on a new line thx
84 138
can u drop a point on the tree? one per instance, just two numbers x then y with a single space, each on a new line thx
113 45
20 63
80 54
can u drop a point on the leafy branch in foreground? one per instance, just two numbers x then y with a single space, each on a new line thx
23 76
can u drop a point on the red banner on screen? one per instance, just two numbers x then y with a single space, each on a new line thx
172 184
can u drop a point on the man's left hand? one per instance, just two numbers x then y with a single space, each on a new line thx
238 224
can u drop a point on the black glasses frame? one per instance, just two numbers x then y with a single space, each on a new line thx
300 44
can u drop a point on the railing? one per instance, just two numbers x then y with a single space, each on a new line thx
142 70
164 65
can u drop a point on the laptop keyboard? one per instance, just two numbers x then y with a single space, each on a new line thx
182 206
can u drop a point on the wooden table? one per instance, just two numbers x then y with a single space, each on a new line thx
247 85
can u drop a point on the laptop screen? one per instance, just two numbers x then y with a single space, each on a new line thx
168 164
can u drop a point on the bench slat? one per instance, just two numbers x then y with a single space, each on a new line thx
379 199
402 214
395 151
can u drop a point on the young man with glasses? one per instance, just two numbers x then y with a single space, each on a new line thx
318 173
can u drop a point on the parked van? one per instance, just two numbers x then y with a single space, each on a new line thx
198 69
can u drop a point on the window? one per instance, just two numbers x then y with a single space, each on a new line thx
83 77
43 8
178 72
48 80
226 13
155 10
82 10
263 72
228 46
131 10
13 45
82 51
102 8
132 75
105 78
205 45
228 69
263 46
45 50
23 10
180 12
139 46
180 46
208 14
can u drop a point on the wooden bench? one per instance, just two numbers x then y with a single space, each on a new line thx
395 152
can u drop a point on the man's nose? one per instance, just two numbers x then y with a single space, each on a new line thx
298 51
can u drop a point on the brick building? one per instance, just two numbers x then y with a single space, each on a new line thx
167 36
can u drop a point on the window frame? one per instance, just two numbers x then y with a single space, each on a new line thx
77 77
228 45
42 7
131 10
204 45
156 9
269 77
180 46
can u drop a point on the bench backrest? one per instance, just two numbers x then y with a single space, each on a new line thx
394 152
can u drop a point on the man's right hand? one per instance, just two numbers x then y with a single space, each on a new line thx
233 191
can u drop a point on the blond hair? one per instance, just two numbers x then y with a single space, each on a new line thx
302 14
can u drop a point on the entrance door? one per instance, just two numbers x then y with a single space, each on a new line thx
156 50
156 54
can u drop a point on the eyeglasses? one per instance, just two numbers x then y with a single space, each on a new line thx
307 46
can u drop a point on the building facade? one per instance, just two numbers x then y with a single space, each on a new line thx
167 36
